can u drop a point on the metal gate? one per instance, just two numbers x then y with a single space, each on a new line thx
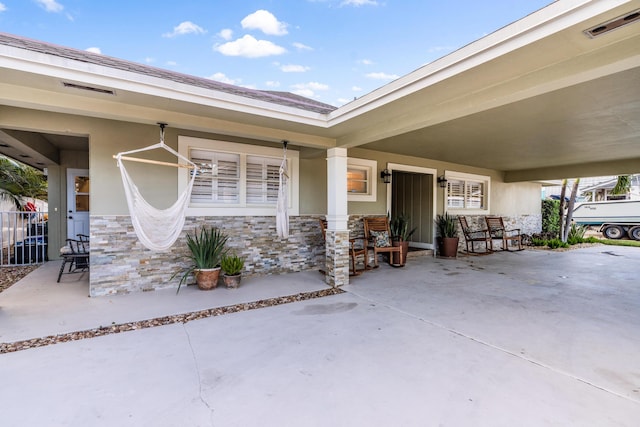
23 240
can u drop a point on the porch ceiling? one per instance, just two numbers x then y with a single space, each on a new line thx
538 99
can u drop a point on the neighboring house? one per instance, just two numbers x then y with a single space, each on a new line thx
602 190
470 134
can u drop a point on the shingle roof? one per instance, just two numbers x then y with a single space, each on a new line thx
280 98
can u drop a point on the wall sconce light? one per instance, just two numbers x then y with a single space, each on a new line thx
386 176
442 181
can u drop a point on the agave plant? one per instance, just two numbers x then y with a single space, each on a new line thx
446 225
206 250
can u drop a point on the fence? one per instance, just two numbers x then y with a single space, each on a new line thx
23 240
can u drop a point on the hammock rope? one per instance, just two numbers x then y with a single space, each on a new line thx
157 229
282 212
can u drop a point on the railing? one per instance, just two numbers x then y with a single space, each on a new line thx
23 240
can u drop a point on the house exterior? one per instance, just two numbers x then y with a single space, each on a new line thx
602 190
492 119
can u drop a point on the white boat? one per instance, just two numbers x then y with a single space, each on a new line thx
611 212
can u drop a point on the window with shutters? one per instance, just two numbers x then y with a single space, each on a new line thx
237 179
467 192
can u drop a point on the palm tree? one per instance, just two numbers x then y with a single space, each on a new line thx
623 185
18 180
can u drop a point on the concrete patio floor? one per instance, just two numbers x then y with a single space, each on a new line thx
528 338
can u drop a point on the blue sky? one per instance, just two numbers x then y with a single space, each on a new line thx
328 50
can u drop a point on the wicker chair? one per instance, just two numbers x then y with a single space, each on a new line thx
355 250
473 236
378 235
497 231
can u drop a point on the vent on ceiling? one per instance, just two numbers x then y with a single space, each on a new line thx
89 88
618 22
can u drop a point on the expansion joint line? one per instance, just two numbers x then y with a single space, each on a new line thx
495 347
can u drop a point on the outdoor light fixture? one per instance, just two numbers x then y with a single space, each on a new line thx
442 181
386 176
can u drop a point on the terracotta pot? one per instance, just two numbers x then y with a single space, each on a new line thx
232 281
207 278
448 247
405 251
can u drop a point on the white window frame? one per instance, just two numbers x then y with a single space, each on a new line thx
188 143
486 180
371 166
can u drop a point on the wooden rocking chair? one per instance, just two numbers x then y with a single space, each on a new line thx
473 236
354 250
497 231
378 235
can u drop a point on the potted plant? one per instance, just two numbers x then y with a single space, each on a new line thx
206 250
400 234
232 266
447 235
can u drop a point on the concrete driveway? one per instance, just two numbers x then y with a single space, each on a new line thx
510 339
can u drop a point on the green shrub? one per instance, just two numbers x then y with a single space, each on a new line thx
591 240
232 264
550 217
557 243
538 242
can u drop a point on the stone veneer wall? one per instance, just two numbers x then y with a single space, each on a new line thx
528 224
120 264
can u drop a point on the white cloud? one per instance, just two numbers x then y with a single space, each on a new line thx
186 27
149 60
382 76
94 50
273 84
356 88
366 62
172 63
2 7
50 5
221 77
311 85
291 68
249 47
308 89
358 3
343 101
226 34
301 46
264 21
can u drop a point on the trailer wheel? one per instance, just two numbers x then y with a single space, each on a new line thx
614 232
634 232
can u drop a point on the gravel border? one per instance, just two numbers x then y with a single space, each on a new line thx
161 321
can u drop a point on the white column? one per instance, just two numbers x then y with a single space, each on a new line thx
337 241
337 212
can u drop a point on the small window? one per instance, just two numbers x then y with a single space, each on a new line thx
467 192
361 180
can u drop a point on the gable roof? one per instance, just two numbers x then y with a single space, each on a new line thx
281 98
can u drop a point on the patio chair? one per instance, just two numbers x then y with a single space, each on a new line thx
473 236
355 250
378 235
497 231
76 255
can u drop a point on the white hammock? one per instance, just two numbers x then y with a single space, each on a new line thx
157 229
282 212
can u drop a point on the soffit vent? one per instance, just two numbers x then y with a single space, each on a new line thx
89 88
616 23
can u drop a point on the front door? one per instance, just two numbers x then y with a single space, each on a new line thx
413 194
77 202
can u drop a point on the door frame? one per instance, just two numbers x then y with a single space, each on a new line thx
70 183
421 170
